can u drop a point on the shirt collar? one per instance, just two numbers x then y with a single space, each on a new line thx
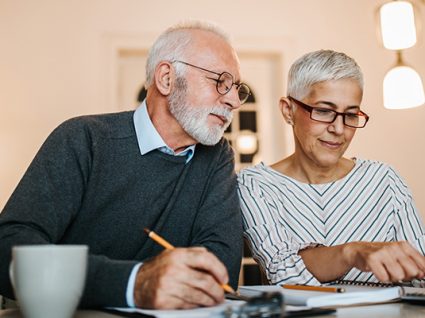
148 137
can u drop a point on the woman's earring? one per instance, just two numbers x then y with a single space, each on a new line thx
290 122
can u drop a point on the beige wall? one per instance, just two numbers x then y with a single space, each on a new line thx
53 61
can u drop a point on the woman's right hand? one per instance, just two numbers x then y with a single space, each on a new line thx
388 261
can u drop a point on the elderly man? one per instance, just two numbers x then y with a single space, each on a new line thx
100 180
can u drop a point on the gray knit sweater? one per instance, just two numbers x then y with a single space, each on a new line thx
89 184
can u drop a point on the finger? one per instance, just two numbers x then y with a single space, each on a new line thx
181 301
170 301
394 268
420 275
406 256
376 266
410 267
380 272
207 262
397 272
190 296
199 298
207 284
415 255
200 281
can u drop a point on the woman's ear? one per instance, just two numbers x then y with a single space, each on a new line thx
286 110
164 75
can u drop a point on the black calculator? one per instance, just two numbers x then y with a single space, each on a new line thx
417 298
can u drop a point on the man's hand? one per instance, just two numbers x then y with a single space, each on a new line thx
180 278
388 261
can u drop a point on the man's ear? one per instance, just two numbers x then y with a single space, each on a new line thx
164 75
286 110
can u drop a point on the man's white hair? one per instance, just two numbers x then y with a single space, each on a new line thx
320 66
172 45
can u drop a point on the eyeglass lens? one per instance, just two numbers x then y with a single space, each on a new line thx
225 83
328 116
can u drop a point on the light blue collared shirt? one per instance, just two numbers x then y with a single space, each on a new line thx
149 139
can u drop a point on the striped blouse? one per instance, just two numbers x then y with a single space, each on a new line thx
282 216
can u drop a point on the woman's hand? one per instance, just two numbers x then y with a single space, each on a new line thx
388 261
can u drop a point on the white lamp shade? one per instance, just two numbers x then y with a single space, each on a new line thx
403 88
246 142
398 25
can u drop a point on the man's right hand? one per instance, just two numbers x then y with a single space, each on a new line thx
180 278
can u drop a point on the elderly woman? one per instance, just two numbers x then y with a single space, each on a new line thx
317 216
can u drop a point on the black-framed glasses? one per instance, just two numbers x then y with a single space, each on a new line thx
224 82
325 115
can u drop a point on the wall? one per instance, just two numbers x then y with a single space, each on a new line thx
53 53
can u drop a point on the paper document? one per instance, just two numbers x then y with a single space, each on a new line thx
204 312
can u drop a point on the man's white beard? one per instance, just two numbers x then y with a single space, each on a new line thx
194 119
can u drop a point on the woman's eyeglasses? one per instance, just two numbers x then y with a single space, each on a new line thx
325 115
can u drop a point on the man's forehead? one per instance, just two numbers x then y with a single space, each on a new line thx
212 51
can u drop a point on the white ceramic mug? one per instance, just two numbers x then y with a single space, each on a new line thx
48 280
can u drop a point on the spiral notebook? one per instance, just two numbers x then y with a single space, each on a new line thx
414 283
353 295
413 291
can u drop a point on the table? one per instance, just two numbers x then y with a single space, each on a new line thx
392 310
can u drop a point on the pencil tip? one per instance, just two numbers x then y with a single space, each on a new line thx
228 289
147 231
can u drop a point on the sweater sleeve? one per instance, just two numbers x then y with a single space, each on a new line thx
272 245
44 204
408 225
218 225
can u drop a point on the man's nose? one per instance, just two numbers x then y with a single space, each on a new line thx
233 99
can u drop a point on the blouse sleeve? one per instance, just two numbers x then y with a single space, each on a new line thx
408 225
271 243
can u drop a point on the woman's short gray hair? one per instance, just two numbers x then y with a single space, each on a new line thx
172 45
320 66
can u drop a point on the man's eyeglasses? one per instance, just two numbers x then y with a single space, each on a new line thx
224 82
325 115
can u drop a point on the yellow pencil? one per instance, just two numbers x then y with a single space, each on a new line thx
168 246
327 289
